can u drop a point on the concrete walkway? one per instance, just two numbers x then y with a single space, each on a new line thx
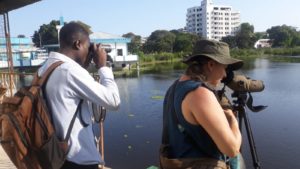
5 162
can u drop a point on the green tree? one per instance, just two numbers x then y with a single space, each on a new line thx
245 37
230 40
284 36
47 34
159 41
261 35
296 40
184 42
135 45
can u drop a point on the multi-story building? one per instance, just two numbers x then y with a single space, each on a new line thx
212 21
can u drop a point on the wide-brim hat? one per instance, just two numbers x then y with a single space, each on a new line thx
218 51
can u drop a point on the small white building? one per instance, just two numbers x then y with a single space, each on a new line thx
212 21
118 45
263 43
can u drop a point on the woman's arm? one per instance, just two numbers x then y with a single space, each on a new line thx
221 125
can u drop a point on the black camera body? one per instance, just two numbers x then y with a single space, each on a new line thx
91 53
107 49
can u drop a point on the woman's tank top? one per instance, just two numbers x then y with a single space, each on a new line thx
185 139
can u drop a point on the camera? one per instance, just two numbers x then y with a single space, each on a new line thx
91 53
107 49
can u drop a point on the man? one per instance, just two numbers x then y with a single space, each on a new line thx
69 84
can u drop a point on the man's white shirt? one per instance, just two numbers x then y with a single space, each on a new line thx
66 86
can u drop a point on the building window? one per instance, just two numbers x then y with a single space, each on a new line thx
120 52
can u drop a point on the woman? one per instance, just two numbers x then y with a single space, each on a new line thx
197 132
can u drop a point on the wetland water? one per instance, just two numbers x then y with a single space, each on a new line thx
133 133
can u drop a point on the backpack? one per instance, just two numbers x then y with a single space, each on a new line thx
26 131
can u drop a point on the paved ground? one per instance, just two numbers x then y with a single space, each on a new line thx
5 162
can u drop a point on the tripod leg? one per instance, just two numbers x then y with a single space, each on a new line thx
251 142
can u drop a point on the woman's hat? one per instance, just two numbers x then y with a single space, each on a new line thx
218 51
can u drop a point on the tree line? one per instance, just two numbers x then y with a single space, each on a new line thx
177 41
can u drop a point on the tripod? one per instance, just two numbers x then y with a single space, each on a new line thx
239 106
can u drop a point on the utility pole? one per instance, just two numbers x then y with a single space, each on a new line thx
40 37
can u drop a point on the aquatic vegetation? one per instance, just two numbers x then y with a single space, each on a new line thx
152 167
139 126
157 97
130 115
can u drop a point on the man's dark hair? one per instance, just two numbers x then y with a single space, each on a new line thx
71 32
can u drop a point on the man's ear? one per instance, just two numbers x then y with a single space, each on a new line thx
76 44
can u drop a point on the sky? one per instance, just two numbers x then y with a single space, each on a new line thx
142 17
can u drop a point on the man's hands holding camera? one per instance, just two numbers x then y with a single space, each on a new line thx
99 55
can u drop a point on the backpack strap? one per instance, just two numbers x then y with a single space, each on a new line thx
39 81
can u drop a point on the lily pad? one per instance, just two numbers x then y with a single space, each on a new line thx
152 167
157 97
139 126
130 115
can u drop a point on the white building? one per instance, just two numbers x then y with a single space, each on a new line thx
263 43
212 21
118 45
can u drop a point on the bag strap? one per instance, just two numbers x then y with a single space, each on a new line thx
73 121
170 94
39 81
42 81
